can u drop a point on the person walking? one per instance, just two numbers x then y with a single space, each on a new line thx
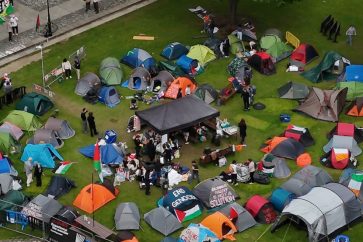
194 172
28 168
245 94
251 169
38 172
233 170
88 5
10 31
351 31
242 130
84 120
77 66
96 6
92 124
14 24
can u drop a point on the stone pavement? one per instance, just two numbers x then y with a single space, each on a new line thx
66 16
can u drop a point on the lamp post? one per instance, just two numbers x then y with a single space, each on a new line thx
49 25
40 47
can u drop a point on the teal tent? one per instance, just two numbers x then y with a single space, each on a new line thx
35 103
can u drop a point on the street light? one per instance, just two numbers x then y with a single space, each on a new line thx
49 32
40 47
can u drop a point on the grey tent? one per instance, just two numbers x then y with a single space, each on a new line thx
214 45
161 81
305 179
58 186
214 192
281 169
343 142
86 83
324 210
6 183
166 118
46 136
324 104
127 216
12 129
162 220
139 79
244 219
207 93
42 208
60 126
293 90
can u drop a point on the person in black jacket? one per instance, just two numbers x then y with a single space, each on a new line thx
38 172
245 94
77 66
242 130
151 150
92 124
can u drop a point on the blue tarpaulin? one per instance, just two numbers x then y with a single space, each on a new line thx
354 73
109 154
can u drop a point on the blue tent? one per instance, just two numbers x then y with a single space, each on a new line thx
354 73
138 58
109 96
197 231
42 153
186 63
4 166
280 198
109 153
174 50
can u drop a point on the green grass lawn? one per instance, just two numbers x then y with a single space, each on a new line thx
170 21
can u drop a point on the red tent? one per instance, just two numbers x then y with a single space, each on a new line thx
347 129
262 62
261 209
303 54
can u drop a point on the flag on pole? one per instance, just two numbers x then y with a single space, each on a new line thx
97 161
37 24
64 167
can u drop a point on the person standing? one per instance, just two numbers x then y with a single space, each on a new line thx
351 31
251 169
14 24
194 172
77 66
96 6
245 94
8 89
28 168
92 124
84 120
67 67
233 170
147 182
151 150
88 5
38 172
10 31
242 130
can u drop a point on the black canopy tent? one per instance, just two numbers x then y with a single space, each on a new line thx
178 114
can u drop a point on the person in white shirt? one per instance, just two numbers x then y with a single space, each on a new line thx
351 31
14 24
233 170
251 169
66 67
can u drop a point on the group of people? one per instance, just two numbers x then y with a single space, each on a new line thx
88 122
33 168
7 85
95 5
232 170
67 67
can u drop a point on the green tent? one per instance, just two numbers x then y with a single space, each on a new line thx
25 121
279 51
355 89
268 41
172 68
325 69
110 71
35 103
6 142
201 53
11 199
235 43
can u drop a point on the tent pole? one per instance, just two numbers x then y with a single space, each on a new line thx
93 212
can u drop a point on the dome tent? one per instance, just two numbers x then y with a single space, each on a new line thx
173 51
139 79
35 103
62 127
86 83
110 71
201 53
25 121
46 136
207 93
109 96
161 81
138 58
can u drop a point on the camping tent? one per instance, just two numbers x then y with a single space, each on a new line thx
165 118
331 65
174 50
139 79
236 65
86 83
58 186
280 198
269 40
275 165
42 208
110 154
188 65
303 55
220 225
25 121
138 58
353 180
235 44
43 153
12 129
93 197
179 83
355 108
61 127
162 220
324 104
35 103
6 183
240 217
11 199
214 44
207 93
273 45
127 216
293 90
323 210
110 71
46 136
109 96
201 53
67 214
305 179
126 236
347 129
299 134
262 62
214 192
6 142
338 158
261 209
355 89
172 67
197 233
343 142
283 147
181 202
161 81
5 166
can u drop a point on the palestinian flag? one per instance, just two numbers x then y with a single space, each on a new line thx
37 24
64 167
97 161
355 183
188 214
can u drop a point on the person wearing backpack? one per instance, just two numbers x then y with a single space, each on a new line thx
251 169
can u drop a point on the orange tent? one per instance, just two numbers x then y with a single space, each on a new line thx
303 160
272 143
356 108
92 197
219 224
180 82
